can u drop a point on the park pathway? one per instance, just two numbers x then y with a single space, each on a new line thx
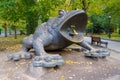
112 45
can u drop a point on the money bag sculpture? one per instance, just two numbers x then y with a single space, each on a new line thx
57 33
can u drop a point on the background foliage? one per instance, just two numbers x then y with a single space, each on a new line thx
27 14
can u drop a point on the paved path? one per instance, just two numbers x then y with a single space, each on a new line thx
76 67
113 45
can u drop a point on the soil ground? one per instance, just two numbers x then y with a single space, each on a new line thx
77 67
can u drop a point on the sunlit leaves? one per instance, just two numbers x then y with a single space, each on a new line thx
41 10
62 77
9 10
113 9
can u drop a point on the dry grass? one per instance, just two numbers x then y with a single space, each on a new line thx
9 43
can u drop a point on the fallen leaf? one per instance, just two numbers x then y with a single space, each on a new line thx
62 77
71 62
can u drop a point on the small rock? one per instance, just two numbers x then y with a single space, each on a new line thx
70 77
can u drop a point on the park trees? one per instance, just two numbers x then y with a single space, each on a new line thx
102 9
9 14
34 11
77 4
30 12
112 9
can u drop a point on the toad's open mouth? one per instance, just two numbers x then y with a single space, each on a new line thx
73 25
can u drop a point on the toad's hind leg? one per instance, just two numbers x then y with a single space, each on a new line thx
23 53
40 41
27 43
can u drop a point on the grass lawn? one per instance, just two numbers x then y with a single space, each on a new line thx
9 43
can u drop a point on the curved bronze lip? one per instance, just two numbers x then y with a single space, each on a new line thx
69 16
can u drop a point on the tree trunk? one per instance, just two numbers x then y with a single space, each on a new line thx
5 31
85 5
0 31
9 31
15 32
5 27
119 29
31 23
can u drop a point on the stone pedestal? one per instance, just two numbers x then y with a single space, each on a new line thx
36 72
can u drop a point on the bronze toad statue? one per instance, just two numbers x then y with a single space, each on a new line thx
56 33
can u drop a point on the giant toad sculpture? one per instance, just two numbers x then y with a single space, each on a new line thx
56 33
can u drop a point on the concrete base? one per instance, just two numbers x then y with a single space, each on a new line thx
36 72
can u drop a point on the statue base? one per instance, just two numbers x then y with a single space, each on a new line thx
36 72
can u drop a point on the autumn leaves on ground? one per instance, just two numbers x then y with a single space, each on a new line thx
77 67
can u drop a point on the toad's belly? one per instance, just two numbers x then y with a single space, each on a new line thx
55 47
58 45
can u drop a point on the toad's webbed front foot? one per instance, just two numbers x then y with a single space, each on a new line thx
101 53
93 53
48 61
20 55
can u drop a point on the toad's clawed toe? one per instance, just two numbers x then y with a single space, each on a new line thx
48 61
28 55
14 57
